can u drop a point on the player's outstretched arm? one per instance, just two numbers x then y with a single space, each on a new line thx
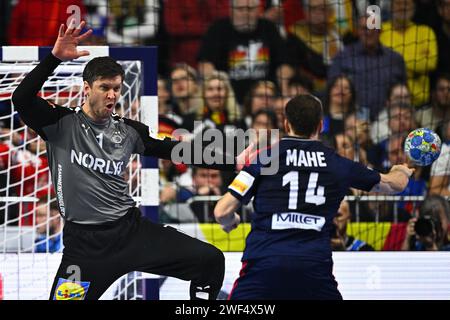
35 111
187 152
395 181
225 212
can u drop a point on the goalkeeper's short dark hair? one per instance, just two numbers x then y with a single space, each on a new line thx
102 67
304 113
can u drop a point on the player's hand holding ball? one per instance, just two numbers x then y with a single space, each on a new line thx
403 168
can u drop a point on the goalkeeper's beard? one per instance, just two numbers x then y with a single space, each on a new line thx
100 111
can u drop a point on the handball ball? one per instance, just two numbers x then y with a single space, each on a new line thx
423 146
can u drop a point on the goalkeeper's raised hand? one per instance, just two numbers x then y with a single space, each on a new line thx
66 44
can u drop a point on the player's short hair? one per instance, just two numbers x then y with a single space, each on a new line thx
304 113
102 67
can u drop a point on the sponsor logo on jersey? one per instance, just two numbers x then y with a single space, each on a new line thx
59 190
98 164
297 220
242 183
71 290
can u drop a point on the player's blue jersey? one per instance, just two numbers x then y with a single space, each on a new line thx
295 207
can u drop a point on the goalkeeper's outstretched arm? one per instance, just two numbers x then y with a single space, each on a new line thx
163 148
35 111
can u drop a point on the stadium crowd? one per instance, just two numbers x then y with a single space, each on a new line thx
234 64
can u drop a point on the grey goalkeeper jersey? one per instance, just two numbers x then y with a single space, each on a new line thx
87 160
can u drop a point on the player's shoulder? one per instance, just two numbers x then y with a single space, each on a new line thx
127 123
143 130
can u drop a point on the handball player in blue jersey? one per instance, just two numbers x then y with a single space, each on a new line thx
288 250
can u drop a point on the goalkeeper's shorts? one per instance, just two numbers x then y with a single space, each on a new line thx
95 256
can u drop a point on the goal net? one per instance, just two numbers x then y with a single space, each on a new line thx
30 224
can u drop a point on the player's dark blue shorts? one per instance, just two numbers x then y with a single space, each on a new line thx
285 278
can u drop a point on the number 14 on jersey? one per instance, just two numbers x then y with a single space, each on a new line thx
314 194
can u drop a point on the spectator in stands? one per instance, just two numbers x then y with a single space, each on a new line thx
48 227
132 22
284 13
262 95
245 46
186 94
372 67
416 43
426 12
164 103
220 108
221 112
393 154
358 130
97 17
263 122
431 116
398 93
264 119
299 85
280 107
345 147
175 182
168 121
205 182
186 22
400 123
430 230
443 36
313 42
396 155
340 101
440 169
34 22
340 240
